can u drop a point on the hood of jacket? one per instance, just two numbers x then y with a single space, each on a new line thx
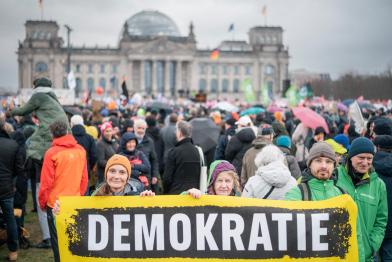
78 130
126 137
275 173
246 135
382 163
260 142
65 141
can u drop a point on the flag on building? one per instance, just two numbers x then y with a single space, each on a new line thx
71 80
247 89
215 54
292 96
264 10
231 28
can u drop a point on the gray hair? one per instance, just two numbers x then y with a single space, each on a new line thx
185 128
269 154
58 128
139 122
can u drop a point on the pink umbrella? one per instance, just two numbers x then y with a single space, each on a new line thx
274 108
310 118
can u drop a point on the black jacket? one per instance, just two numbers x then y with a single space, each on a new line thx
182 169
154 133
237 147
105 149
87 142
148 148
382 163
11 164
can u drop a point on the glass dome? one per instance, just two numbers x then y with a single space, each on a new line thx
151 23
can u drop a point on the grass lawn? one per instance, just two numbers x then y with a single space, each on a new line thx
32 225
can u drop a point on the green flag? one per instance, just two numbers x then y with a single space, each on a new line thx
265 95
249 94
292 96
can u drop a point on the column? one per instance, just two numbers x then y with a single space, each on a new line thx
167 77
141 87
129 76
154 78
178 77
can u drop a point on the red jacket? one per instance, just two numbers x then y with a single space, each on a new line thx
64 171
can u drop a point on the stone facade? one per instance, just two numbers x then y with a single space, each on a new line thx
156 59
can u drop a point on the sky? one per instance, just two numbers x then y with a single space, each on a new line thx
325 36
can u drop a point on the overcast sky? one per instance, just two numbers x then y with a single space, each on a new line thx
328 36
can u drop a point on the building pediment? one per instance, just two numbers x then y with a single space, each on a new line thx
160 46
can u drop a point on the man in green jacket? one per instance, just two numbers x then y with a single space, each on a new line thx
317 181
358 178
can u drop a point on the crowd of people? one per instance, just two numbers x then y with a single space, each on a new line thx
147 151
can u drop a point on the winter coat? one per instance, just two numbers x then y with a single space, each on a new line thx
105 150
292 163
222 143
182 169
148 148
275 174
323 190
248 161
237 147
20 197
64 171
11 164
370 195
168 134
382 163
47 108
87 142
154 134
139 161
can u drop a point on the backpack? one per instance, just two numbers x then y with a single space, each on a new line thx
306 193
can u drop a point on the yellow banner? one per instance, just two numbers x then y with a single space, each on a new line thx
212 228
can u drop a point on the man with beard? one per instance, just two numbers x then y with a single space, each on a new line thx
359 179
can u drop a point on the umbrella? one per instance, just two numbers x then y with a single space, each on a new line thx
72 110
204 133
310 118
274 108
367 106
226 106
348 102
252 111
342 107
160 105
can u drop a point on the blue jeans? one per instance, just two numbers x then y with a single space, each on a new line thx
7 206
386 250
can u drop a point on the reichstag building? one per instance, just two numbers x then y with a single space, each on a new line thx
156 59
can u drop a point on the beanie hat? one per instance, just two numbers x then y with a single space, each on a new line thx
284 141
343 140
383 141
77 120
43 81
338 148
216 168
265 130
244 121
361 145
105 126
230 121
383 126
118 160
320 149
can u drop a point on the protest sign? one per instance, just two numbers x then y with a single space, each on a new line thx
180 228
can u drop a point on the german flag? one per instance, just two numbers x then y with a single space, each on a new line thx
214 54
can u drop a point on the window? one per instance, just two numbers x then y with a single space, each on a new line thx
213 69
78 88
269 70
102 82
77 68
202 85
248 70
113 82
90 68
236 86
114 68
90 84
202 69
214 85
225 69
225 85
102 68
236 70
41 67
